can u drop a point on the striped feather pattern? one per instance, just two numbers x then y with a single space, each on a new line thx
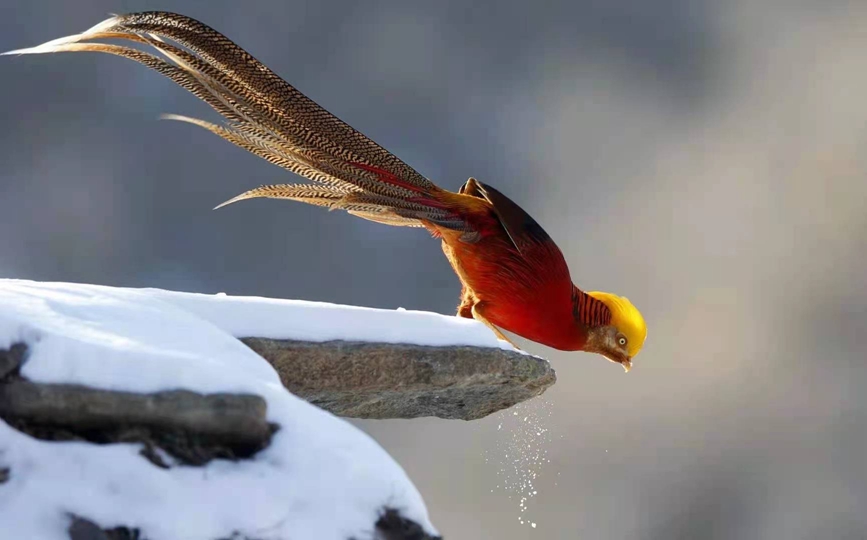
268 117
588 310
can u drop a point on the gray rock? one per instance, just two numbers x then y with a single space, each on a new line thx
11 360
380 380
193 428
83 529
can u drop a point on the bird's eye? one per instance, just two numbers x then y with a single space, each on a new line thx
622 341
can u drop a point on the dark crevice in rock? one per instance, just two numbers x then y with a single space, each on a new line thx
386 380
192 428
5 472
83 529
11 360
392 526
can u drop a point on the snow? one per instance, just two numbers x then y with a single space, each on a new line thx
320 478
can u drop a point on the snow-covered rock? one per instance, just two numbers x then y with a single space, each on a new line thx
318 477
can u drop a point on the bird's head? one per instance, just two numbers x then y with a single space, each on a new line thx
622 339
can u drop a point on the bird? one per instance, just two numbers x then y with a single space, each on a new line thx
513 276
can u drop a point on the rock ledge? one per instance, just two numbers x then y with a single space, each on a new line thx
383 380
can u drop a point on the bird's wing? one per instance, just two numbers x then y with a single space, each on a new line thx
524 232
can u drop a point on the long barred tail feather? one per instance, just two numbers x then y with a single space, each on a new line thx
268 117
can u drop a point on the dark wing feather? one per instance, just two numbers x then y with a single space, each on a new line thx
524 232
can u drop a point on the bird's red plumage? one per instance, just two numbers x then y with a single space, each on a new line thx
513 273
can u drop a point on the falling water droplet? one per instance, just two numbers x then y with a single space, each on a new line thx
522 447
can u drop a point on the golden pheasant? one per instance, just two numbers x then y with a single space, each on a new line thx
513 275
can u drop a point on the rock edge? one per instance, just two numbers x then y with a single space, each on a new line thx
385 380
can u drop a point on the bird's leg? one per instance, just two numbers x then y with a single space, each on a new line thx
465 308
470 308
481 318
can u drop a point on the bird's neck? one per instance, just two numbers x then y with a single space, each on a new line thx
583 314
589 312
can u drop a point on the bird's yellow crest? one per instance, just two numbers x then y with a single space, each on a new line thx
626 318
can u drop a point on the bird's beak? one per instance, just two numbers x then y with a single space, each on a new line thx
627 364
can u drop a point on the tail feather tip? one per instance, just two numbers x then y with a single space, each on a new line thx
230 201
47 47
52 46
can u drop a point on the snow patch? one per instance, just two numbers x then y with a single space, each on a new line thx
321 478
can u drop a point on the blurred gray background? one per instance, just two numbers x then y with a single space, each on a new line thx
705 158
